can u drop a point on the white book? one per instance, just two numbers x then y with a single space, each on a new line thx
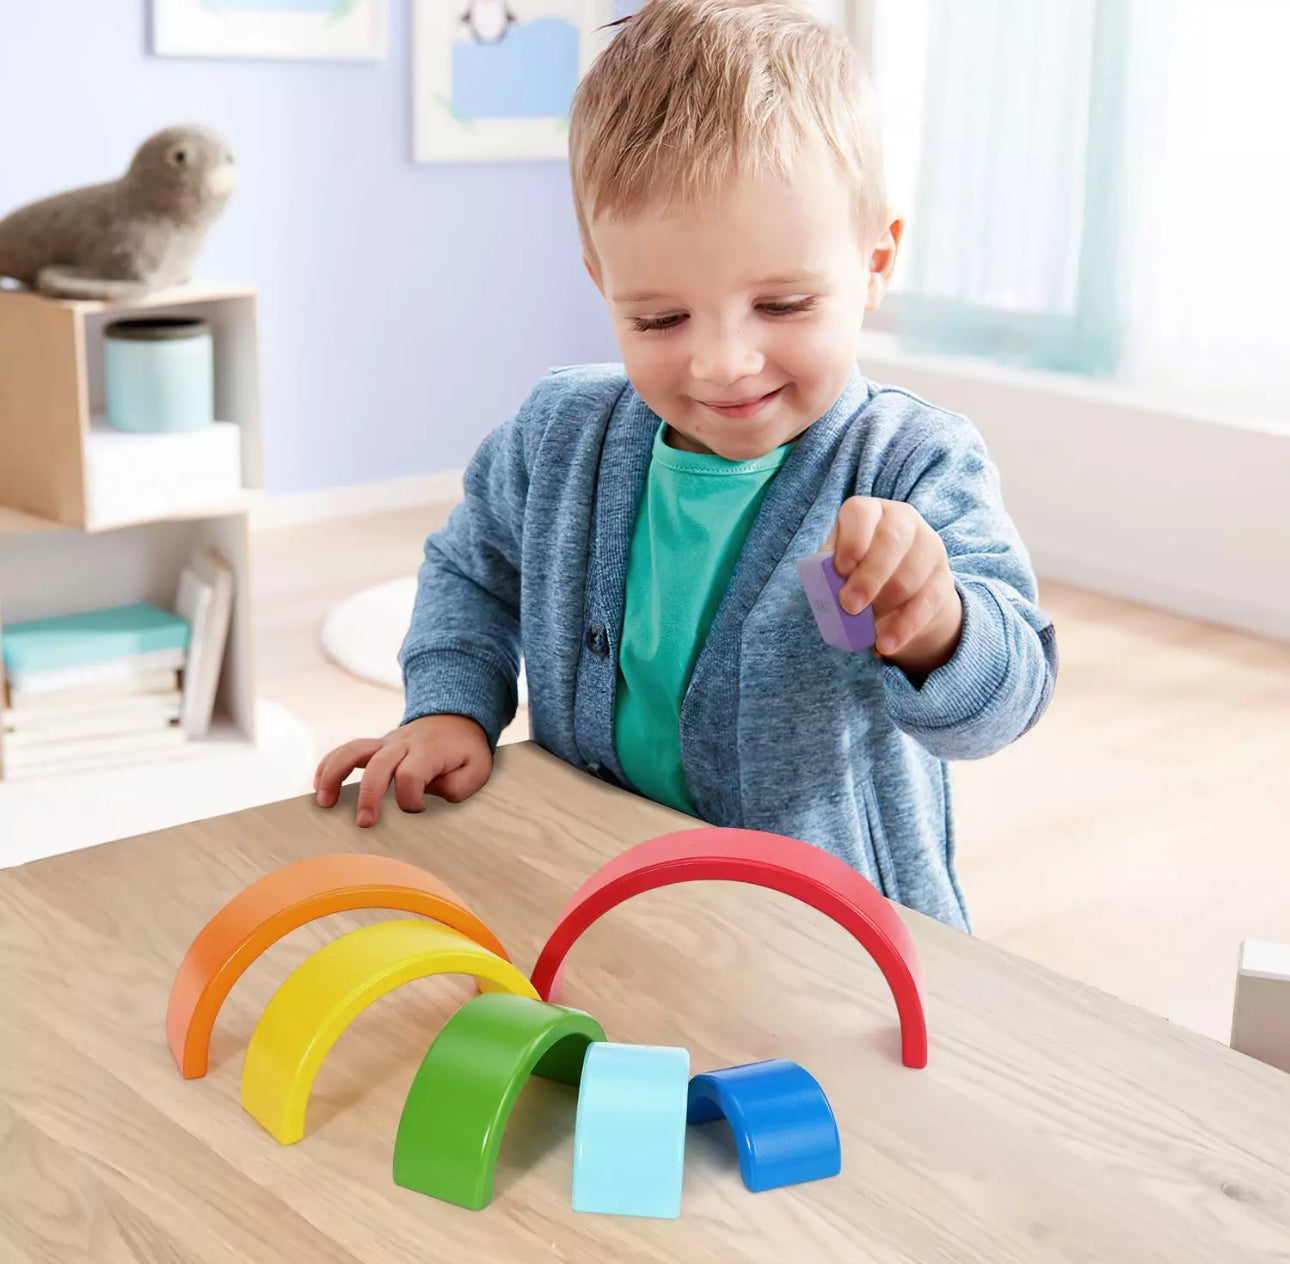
99 752
205 599
88 674
55 724
146 684
193 602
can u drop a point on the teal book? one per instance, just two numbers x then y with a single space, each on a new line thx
96 636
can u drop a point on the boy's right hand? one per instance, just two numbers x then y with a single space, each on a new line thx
447 755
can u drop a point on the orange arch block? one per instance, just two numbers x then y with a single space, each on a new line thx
261 914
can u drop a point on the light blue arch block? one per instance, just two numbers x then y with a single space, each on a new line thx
629 1137
781 1121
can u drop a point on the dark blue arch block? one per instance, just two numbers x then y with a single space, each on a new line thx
781 1121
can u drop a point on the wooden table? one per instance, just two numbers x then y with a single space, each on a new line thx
1053 1123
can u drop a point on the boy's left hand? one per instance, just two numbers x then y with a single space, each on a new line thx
893 561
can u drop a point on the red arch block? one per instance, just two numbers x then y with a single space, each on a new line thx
795 868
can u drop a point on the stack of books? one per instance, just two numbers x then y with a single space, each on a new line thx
91 688
118 685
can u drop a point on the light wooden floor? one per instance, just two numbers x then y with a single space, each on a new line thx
1131 840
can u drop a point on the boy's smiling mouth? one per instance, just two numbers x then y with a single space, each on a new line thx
744 407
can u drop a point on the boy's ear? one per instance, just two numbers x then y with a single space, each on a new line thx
591 272
882 263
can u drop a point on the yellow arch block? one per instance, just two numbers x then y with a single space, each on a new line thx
328 991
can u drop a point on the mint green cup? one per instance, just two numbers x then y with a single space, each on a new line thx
159 374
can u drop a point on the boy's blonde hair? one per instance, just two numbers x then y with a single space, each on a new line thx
691 92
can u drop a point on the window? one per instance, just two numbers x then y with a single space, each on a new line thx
1099 186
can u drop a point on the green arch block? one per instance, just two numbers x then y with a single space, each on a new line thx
457 1108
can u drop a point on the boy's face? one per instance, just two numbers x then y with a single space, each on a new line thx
739 321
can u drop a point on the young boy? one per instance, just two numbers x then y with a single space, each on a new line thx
635 529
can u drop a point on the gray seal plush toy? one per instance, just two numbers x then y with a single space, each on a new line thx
125 238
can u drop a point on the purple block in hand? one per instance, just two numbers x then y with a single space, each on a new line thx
822 583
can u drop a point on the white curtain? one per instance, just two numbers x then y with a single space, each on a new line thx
1007 93
1208 219
1097 184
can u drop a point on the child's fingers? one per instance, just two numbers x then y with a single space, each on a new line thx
899 627
327 759
376 781
891 542
417 770
853 533
321 770
338 764
924 557
459 784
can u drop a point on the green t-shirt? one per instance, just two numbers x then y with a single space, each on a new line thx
694 518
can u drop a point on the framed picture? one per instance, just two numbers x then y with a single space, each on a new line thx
493 79
285 29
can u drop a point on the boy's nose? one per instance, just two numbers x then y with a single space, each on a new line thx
725 361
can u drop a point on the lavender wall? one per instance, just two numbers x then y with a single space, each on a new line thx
406 310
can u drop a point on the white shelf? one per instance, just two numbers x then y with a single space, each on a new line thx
91 518
49 573
232 317
15 522
51 364
175 296
48 815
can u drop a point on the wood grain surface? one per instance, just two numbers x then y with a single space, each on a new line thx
1052 1123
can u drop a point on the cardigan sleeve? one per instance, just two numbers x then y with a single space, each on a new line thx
1003 672
461 654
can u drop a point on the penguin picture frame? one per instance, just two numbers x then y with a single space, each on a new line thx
493 79
323 30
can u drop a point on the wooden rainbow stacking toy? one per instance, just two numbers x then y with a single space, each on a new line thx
635 1101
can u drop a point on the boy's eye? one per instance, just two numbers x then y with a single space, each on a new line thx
788 307
781 307
650 324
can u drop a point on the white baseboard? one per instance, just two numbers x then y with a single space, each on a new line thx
1108 575
296 508
1115 494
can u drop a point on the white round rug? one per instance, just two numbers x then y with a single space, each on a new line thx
363 633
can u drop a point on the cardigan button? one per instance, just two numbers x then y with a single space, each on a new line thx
598 640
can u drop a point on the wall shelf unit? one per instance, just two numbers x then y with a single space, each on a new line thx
91 518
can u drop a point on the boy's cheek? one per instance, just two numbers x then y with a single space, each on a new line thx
645 366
